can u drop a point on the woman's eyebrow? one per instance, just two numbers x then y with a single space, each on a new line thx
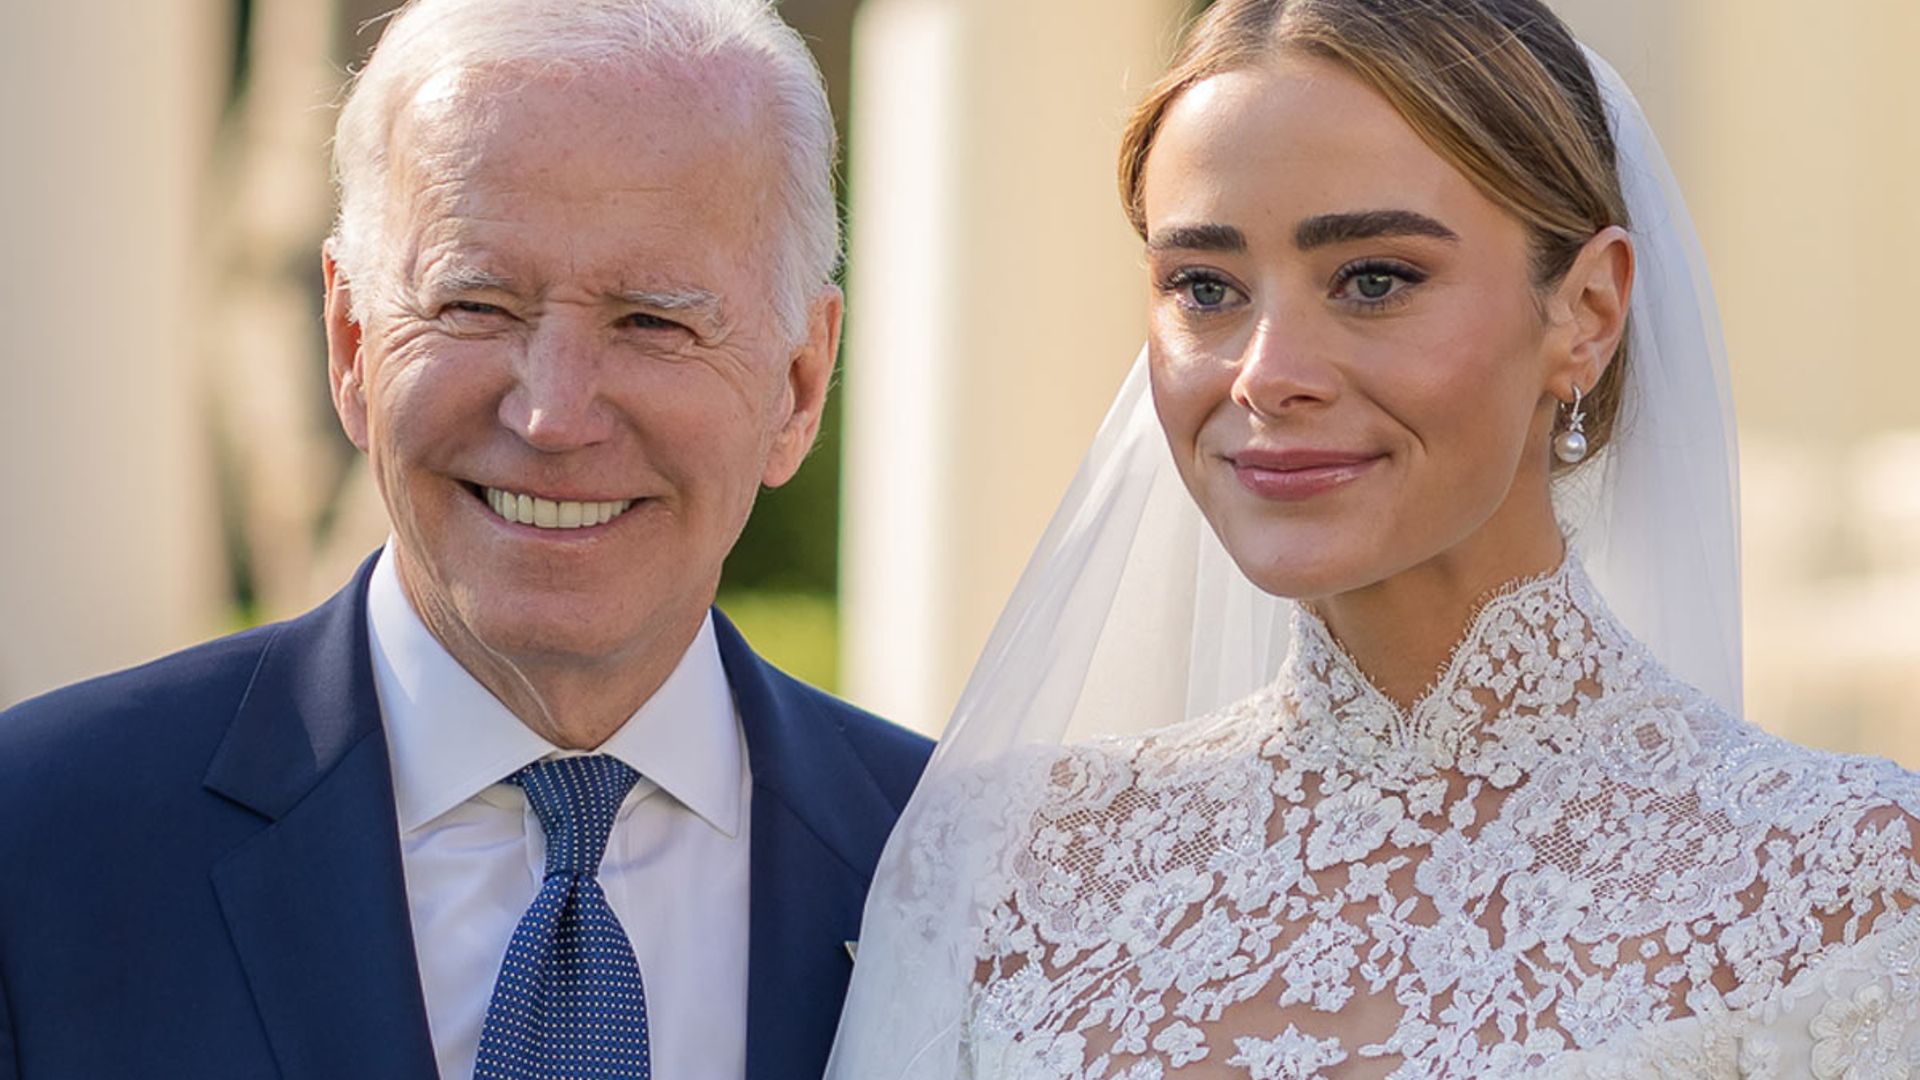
1207 237
1326 229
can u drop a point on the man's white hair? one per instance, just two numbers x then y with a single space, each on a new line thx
429 37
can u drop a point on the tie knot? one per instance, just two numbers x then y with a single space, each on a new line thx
576 799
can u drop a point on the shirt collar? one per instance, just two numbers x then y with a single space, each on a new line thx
449 738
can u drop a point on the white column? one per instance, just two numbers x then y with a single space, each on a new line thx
106 111
996 299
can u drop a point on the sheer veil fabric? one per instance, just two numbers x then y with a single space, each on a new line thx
1131 617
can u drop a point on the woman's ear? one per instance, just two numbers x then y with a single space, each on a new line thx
1590 308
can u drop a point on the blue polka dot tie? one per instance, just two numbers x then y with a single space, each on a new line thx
568 1002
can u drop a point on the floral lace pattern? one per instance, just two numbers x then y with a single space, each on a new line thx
1560 861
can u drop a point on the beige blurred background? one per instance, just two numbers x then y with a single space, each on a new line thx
173 471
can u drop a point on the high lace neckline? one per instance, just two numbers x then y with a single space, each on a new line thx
1527 656
1560 859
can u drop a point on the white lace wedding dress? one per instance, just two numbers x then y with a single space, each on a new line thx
1561 862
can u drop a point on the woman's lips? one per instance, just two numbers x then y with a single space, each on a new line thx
1292 475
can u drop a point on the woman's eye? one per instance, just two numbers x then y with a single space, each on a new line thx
1375 284
1200 291
1207 294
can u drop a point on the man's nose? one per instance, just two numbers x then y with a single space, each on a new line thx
1285 367
557 403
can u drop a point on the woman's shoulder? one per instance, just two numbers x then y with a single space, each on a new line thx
1825 846
1050 778
1167 758
1756 777
1235 728
1022 793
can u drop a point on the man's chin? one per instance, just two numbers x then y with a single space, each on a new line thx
558 638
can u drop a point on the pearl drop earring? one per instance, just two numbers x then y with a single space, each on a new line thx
1570 445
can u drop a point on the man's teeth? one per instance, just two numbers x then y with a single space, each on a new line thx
554 514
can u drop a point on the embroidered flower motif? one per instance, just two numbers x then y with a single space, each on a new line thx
1520 1058
1320 963
1183 1044
1455 873
1351 826
1600 1007
1150 909
1660 746
1446 952
1854 1041
1290 1056
1129 1011
1057 1056
1083 779
1542 906
1206 951
1759 1057
1426 797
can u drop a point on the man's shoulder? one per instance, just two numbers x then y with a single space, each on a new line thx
859 723
201 685
96 764
891 754
894 754
172 705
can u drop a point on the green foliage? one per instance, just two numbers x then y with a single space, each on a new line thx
799 632
792 541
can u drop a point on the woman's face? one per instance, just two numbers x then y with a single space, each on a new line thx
1348 354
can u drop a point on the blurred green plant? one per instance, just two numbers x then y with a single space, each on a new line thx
799 632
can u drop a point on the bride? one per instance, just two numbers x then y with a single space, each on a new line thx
1421 500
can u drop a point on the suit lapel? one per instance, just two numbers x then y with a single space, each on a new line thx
819 821
316 902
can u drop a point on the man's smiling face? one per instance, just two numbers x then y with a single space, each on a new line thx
571 380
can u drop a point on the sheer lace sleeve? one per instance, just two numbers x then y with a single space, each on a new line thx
942 875
1854 1015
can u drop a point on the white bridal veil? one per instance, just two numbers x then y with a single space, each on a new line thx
1130 615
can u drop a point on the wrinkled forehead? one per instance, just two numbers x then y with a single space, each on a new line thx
703 124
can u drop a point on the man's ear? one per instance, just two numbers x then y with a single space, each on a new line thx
1591 311
346 358
809 373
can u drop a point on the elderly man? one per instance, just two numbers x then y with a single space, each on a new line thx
516 802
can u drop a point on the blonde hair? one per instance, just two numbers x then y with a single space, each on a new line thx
1498 88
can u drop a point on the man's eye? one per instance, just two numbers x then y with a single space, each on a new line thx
640 320
472 307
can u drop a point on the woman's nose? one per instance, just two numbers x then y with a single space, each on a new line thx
1283 369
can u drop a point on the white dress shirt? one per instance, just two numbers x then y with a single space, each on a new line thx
675 870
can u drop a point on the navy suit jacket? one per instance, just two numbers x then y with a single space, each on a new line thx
200 865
